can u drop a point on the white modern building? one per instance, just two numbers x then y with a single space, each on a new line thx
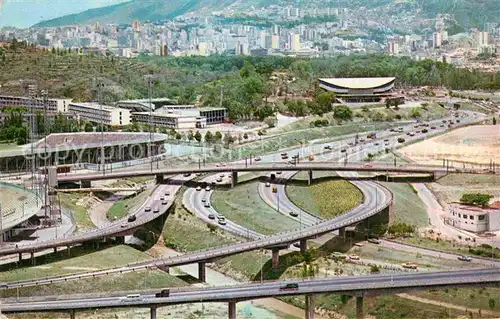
53 105
93 112
473 218
182 116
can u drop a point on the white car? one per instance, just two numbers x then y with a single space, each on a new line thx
207 188
268 184
222 222
198 188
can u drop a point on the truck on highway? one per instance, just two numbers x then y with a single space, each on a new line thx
132 218
372 135
163 293
409 265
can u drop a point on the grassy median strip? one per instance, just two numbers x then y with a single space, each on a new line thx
244 206
327 199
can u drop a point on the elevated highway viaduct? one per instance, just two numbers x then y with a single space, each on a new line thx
353 286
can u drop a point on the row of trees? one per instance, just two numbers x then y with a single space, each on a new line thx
476 199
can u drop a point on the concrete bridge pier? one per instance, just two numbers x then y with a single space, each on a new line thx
303 246
72 314
234 179
342 232
359 307
309 177
20 257
232 310
160 178
153 312
202 275
276 257
69 250
32 254
55 250
310 305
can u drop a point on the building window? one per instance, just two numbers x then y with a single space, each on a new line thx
459 215
465 216
480 217
471 217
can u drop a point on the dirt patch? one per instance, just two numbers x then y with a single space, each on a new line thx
478 144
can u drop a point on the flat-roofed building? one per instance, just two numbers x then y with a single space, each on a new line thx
141 105
360 89
473 218
182 116
112 116
53 105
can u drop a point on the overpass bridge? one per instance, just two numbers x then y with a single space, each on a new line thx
358 286
435 170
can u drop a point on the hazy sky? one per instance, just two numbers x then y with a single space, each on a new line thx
25 13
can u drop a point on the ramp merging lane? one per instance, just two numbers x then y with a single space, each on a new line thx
372 284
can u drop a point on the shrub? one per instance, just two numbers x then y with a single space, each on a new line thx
374 269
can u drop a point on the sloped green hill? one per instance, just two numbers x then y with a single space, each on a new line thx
142 10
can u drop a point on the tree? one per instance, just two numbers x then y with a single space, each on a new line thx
477 199
494 121
415 112
491 303
342 112
324 102
218 136
388 104
190 136
178 136
53 50
197 136
240 138
245 136
88 127
209 137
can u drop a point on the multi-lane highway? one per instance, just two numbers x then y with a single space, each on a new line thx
365 285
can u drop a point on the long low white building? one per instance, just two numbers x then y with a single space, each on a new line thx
182 117
53 105
91 112
474 219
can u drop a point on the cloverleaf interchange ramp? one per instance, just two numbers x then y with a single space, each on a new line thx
369 208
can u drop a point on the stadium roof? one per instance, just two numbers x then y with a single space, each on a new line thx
358 83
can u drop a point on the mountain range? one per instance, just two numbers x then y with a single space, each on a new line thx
468 13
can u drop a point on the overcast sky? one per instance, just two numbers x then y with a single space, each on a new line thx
25 13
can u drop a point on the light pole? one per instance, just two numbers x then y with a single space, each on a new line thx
149 78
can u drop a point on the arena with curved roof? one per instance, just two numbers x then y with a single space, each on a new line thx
360 89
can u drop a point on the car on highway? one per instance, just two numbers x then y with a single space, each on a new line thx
374 241
124 226
221 175
425 130
131 297
207 204
294 214
164 293
203 200
132 218
464 258
167 193
327 147
367 165
164 202
295 156
257 159
207 188
213 183
284 154
222 221
211 216
310 158
268 184
442 125
156 210
219 180
275 190
220 216
290 286
147 209
186 174
353 257
162 198
409 265
433 127
198 188
376 143
343 150
401 140
278 173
